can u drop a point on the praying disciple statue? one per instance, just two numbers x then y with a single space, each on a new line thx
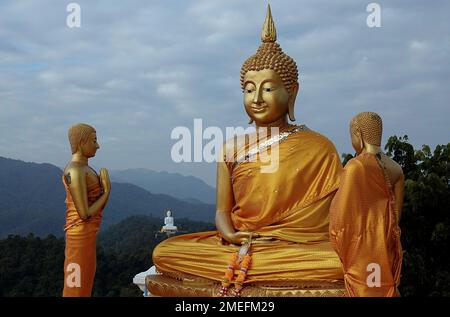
86 196
365 214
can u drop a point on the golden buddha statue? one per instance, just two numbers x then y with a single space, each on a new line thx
86 196
282 217
365 213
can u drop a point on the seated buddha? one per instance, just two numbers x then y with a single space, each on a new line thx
168 223
283 212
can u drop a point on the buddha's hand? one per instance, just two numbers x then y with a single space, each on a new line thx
241 237
104 178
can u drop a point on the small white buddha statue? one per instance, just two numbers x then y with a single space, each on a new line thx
168 223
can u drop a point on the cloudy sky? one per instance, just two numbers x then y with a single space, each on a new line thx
137 69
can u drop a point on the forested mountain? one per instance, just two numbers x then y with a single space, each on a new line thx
32 201
33 266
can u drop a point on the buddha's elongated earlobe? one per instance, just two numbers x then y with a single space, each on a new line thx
250 121
291 113
361 142
291 105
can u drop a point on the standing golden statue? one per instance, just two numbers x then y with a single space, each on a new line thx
285 213
86 196
365 214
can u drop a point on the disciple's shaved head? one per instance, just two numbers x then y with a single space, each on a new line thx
370 125
79 134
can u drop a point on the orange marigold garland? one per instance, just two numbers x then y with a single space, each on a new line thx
238 284
244 258
229 274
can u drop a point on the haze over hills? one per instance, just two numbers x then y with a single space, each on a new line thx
189 188
32 200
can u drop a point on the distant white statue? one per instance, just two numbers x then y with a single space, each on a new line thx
168 223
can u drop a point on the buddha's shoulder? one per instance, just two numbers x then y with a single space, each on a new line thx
313 139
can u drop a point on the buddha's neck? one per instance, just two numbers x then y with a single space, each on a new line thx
280 123
79 158
370 148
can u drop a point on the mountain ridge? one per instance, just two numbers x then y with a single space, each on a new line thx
32 200
163 182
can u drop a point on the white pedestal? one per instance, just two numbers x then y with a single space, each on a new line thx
139 280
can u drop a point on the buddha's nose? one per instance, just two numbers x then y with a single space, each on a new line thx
257 98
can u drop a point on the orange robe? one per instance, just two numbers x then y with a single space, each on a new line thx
289 207
81 236
364 228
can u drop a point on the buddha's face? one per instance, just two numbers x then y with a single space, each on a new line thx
266 99
90 147
356 137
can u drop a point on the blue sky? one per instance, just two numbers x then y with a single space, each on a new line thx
137 69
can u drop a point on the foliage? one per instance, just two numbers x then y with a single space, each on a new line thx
33 266
28 266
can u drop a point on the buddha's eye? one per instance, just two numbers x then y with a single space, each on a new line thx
268 89
248 91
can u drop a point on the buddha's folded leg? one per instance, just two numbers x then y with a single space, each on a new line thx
283 260
200 254
204 254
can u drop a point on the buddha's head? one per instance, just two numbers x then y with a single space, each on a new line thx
269 79
169 213
366 128
83 139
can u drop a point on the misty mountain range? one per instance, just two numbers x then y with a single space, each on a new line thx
189 188
32 198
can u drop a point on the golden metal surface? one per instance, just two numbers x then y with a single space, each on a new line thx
161 285
269 33
86 195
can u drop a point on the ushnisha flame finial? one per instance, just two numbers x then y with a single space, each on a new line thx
269 33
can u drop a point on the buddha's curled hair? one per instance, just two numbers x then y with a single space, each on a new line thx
271 56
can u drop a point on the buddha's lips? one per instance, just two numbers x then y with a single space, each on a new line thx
258 109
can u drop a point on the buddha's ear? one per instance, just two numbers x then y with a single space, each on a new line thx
361 141
291 104
80 146
250 121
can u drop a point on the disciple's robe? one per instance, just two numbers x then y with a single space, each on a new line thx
364 229
80 251
289 208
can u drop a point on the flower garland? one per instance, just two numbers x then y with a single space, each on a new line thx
245 263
